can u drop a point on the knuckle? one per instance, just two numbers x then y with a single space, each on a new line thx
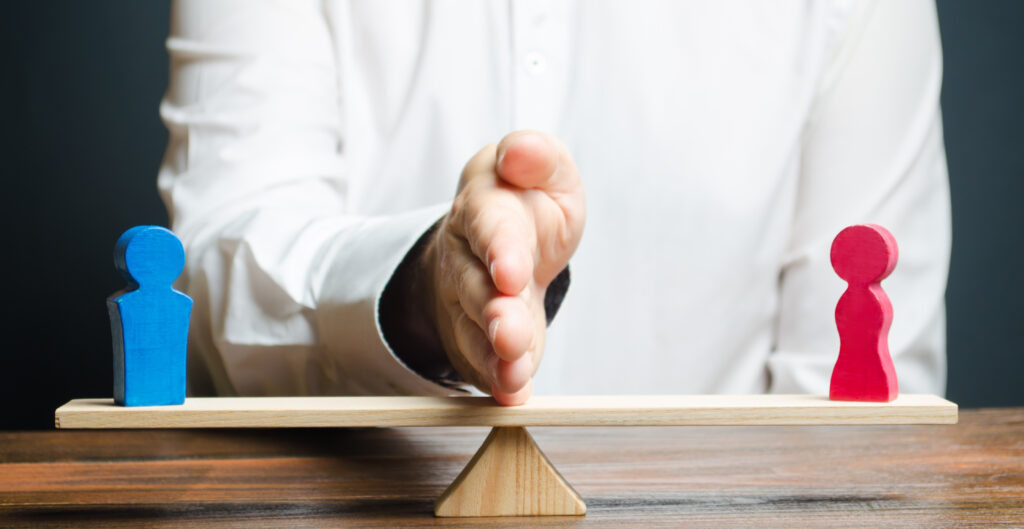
462 285
445 263
458 205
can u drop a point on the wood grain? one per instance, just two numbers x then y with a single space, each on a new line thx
649 410
509 476
911 477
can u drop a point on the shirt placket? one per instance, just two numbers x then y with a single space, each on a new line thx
540 47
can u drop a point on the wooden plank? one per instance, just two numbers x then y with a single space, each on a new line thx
603 410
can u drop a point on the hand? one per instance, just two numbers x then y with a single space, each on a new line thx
516 220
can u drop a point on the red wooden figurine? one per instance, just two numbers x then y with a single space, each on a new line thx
863 256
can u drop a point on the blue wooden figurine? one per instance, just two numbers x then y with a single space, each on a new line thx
149 319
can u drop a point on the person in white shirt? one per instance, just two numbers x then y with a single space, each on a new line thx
316 147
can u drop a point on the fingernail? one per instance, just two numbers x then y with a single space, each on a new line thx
492 329
491 270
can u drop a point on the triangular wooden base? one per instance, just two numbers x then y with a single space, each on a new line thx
509 476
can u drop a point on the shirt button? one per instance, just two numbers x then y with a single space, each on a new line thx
536 63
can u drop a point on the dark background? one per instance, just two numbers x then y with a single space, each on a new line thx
80 85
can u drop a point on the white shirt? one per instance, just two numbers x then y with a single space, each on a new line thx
722 146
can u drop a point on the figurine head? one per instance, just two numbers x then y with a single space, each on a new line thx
865 253
149 256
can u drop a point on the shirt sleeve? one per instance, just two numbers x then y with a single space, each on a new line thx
286 279
872 153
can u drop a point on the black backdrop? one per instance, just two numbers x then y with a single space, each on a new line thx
80 83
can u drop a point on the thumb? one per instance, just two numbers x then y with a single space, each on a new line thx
533 160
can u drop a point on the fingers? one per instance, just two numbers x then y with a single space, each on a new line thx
493 332
497 228
509 256
502 236
513 399
490 331
508 377
515 221
541 164
476 350
505 320
510 327
503 228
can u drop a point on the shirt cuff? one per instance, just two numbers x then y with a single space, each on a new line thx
354 271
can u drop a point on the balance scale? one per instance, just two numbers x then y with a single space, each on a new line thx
509 475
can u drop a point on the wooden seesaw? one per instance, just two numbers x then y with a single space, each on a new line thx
509 475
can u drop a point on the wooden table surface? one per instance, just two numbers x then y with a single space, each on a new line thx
966 475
